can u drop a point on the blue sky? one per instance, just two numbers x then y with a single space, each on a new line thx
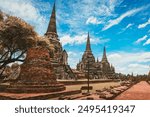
123 26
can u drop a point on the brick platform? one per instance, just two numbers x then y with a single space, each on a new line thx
36 96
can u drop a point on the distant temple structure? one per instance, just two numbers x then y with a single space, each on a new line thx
97 69
59 56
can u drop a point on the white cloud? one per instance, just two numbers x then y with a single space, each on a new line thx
119 19
25 9
80 39
124 62
71 53
67 39
141 39
138 66
144 24
115 56
93 20
128 26
73 58
81 10
20 8
147 42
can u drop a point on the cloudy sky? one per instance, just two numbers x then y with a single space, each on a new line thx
123 26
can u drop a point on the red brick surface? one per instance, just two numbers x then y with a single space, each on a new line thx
140 91
37 75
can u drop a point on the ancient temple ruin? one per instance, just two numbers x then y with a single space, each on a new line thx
59 56
97 69
37 74
88 60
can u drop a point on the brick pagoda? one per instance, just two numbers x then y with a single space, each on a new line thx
37 74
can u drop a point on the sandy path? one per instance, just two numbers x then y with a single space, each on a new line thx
140 91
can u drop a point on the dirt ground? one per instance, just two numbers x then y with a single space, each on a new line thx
96 86
140 91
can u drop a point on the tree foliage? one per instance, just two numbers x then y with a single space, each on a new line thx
16 36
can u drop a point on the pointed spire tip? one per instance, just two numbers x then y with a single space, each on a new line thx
88 44
52 23
104 55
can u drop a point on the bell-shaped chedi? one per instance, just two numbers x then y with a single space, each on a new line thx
37 74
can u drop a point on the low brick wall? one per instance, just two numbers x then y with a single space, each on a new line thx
37 97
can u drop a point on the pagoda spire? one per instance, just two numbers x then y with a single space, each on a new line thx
88 44
52 24
104 55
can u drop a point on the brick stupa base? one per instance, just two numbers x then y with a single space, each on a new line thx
37 74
